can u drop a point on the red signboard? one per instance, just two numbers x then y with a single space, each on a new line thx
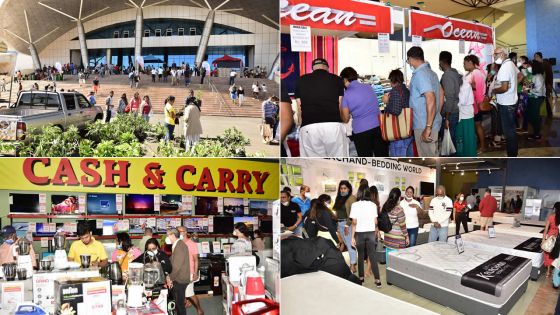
340 15
429 25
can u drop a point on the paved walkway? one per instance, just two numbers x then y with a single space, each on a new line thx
213 126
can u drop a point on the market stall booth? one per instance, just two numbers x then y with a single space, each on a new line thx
47 201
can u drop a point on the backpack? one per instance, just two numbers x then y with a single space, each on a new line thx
384 222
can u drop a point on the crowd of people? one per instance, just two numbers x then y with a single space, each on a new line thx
356 221
510 92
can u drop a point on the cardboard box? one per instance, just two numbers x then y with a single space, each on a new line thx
87 296
43 285
12 295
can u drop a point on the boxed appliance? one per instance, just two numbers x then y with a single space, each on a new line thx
43 285
86 296
12 295
237 265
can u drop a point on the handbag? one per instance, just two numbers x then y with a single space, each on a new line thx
485 106
395 128
548 243
266 132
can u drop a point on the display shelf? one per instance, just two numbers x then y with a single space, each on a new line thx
137 236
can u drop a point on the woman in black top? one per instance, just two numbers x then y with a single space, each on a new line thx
321 221
152 249
342 204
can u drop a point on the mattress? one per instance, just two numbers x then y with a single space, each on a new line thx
440 265
329 301
527 231
502 244
451 228
499 217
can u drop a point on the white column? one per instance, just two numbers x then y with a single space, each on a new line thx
138 35
34 56
83 44
205 38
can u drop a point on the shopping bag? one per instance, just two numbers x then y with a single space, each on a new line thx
447 147
396 127
266 132
548 244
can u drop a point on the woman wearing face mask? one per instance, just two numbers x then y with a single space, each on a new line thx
125 252
461 213
365 233
496 123
243 243
153 252
397 237
342 205
537 92
411 209
322 222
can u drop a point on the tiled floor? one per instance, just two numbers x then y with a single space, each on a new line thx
540 297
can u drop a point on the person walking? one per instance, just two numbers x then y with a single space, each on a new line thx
180 275
411 208
360 104
240 95
487 207
506 97
425 102
322 133
154 74
461 213
537 93
205 70
270 113
465 136
397 238
193 267
551 229
123 103
365 234
397 99
342 206
232 76
193 126
255 89
170 118
439 212
135 103
109 106
91 98
451 82
146 108
96 85
233 93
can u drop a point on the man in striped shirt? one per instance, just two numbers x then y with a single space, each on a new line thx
440 211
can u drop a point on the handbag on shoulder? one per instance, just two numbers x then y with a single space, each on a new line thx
396 127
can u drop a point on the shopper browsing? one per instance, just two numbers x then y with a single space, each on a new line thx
551 229
290 213
241 246
537 92
304 203
180 276
411 208
87 245
465 136
451 82
397 238
322 222
195 272
360 103
148 233
125 252
319 98
439 212
397 99
425 102
7 248
153 252
364 233
342 206
109 106
461 213
488 205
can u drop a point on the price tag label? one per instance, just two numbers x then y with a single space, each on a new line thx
44 242
491 232
459 243
216 248
32 227
98 224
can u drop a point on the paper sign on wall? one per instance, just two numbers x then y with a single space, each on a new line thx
216 247
220 204
157 202
82 204
384 43
70 227
300 38
151 222
211 224
98 224
416 41
42 203
461 46
44 242
31 227
119 203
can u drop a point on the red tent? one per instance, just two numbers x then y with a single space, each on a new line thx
227 61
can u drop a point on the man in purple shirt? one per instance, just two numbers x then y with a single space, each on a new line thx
360 102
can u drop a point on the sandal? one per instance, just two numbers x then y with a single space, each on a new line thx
378 283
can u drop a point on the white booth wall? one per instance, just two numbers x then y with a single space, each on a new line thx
318 172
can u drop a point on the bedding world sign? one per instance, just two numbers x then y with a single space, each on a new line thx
428 25
348 16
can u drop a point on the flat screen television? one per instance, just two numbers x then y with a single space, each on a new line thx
249 221
139 204
223 225
265 226
109 227
21 228
258 207
170 204
24 203
40 228
102 204
64 204
234 207
206 206
427 189
194 225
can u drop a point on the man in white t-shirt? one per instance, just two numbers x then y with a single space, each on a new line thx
440 211
411 208
206 71
506 96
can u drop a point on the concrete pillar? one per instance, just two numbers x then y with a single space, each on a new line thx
275 67
34 56
139 32
205 38
108 56
438 172
83 45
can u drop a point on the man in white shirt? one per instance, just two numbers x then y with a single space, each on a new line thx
440 211
154 74
232 76
160 73
506 96
206 71
411 208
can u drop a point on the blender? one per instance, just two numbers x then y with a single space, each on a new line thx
24 259
60 257
136 285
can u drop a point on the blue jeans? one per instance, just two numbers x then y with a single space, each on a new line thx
169 129
412 235
348 241
438 234
401 148
508 116
297 231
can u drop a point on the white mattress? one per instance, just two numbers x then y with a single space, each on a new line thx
502 244
439 264
528 231
499 217
451 228
326 294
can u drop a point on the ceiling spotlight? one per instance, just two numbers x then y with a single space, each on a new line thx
409 160
423 159
457 166
476 172
444 168
462 173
